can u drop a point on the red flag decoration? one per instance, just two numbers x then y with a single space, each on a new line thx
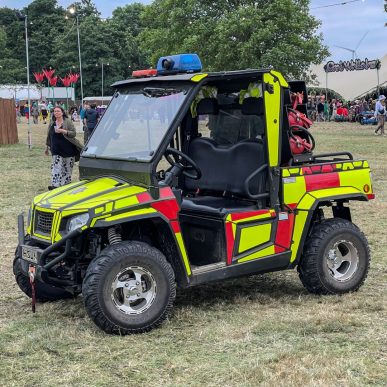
48 73
74 77
53 81
39 77
66 81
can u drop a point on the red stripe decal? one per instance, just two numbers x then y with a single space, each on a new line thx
321 181
278 249
168 208
244 215
175 226
284 231
292 206
316 168
166 193
327 168
144 197
306 171
229 241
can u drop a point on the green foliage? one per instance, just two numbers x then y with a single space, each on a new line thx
10 68
227 34
237 34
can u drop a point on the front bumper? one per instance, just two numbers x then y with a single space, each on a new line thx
42 259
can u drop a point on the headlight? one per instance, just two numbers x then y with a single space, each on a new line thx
77 222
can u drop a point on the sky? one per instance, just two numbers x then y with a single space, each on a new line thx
358 24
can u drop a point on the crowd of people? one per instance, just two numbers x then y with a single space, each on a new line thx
364 111
44 111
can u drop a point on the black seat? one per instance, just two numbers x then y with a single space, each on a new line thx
238 170
226 168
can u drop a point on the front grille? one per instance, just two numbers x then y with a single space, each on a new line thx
43 222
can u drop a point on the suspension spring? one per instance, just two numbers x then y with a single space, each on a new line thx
114 235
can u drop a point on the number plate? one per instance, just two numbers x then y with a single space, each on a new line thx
30 253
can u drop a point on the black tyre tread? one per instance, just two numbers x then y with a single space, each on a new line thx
44 292
96 270
307 269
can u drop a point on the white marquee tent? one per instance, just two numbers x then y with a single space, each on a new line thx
351 84
20 92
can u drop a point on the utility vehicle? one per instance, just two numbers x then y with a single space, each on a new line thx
192 177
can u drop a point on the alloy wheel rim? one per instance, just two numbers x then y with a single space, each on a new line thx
342 260
133 290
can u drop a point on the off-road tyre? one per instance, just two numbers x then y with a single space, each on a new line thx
313 268
103 299
44 292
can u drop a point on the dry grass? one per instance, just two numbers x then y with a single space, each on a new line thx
261 330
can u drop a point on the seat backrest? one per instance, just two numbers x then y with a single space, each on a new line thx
227 168
207 106
253 106
253 115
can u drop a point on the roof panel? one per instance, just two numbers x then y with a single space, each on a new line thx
188 76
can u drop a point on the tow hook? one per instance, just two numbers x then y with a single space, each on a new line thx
31 274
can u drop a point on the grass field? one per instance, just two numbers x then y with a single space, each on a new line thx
262 330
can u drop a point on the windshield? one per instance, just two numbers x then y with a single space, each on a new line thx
136 121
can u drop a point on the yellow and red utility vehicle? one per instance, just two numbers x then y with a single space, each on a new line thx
233 200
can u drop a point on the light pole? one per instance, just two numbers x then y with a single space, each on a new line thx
22 17
72 10
378 66
102 64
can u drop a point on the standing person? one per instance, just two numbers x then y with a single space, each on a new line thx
91 120
35 113
18 115
333 109
64 148
320 109
44 113
326 110
27 111
380 112
310 108
82 112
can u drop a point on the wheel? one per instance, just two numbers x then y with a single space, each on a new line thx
336 258
44 292
129 288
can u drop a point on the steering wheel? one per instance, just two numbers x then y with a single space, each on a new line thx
296 128
190 170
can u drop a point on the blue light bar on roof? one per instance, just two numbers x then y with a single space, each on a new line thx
182 63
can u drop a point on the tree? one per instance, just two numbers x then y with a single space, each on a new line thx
11 70
126 24
46 24
236 34
14 30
